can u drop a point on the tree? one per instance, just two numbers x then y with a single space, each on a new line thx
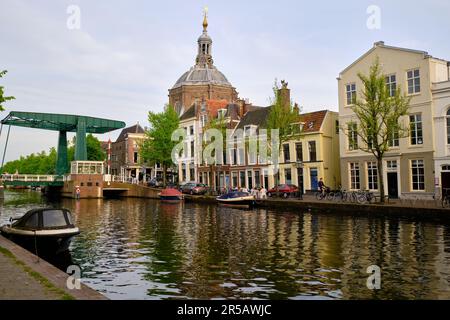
158 145
377 113
3 99
282 116
221 125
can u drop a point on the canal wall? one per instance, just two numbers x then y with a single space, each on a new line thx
49 281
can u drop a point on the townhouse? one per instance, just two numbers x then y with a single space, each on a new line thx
408 168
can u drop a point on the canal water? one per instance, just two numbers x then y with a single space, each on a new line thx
144 249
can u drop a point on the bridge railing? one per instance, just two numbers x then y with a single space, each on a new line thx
31 177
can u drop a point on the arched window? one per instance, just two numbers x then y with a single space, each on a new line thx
448 126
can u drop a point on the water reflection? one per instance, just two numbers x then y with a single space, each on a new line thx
143 249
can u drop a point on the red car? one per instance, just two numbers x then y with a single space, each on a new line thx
284 190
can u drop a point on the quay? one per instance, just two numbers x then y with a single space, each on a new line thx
27 277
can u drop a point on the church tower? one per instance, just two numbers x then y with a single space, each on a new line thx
203 81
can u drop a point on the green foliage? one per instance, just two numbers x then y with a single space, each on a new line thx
45 163
282 118
158 145
377 117
377 113
3 99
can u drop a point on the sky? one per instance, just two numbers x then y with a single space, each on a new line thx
121 58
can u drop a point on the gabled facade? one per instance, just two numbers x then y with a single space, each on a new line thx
408 166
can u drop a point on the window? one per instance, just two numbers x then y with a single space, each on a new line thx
241 156
354 176
191 130
416 129
391 84
233 157
204 119
234 179
337 126
391 165
192 149
135 157
299 151
418 175
352 136
288 176
394 141
221 113
249 130
257 179
252 156
286 152
250 180
312 151
242 179
413 81
53 219
192 172
33 221
372 175
351 94
448 126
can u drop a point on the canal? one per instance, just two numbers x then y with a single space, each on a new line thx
144 249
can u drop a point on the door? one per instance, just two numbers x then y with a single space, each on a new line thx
300 180
392 185
314 180
445 178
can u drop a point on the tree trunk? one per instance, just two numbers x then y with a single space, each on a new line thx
380 178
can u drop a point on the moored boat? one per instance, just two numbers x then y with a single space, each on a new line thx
171 195
237 198
42 231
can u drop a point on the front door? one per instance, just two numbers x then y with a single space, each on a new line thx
300 180
445 183
392 185
314 179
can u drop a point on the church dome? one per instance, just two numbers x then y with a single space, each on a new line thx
198 75
203 72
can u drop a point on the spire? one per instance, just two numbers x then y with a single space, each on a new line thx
205 19
204 57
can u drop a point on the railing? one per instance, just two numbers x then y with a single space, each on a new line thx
31 178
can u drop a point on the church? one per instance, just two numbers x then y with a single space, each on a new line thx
203 81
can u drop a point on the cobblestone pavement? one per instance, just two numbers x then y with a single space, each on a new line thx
17 284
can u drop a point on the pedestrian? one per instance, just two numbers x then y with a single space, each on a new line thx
77 192
263 193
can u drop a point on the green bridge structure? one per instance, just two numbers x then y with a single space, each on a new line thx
63 123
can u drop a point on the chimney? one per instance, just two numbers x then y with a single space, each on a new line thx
241 106
285 95
296 108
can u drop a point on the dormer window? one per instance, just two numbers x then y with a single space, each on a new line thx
204 119
311 125
221 113
249 130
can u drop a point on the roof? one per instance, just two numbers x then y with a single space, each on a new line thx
190 113
199 75
380 44
257 117
60 122
313 121
125 132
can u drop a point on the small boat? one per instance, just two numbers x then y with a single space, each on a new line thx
42 231
171 195
237 198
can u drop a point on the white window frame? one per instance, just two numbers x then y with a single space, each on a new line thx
417 164
372 175
350 96
416 124
355 180
352 135
391 84
414 79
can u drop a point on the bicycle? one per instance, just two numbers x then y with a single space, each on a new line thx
323 194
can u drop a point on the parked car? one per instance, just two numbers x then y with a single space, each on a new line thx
194 188
284 190
155 183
